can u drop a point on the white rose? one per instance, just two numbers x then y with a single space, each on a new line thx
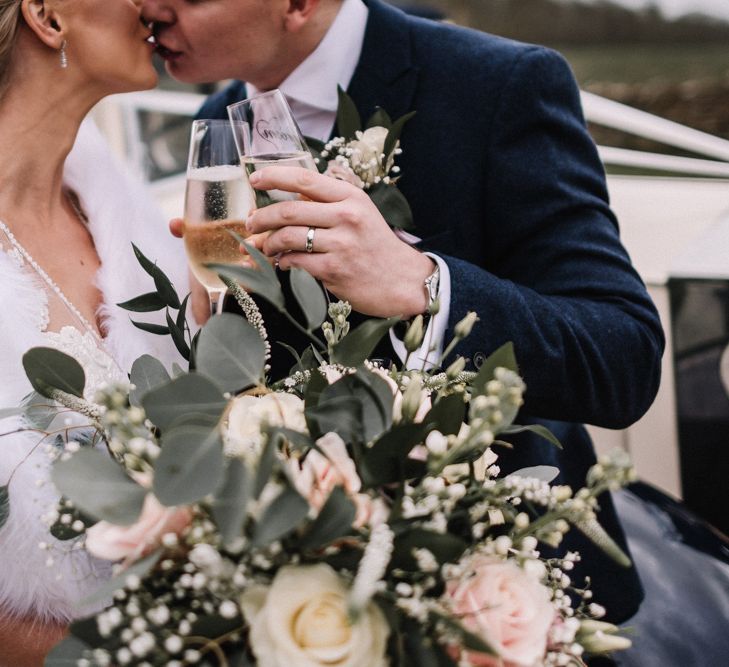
302 620
249 414
368 147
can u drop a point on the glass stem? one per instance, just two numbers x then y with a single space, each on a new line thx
217 299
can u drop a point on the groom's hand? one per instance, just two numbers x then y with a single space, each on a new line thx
353 253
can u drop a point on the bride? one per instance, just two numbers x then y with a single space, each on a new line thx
65 261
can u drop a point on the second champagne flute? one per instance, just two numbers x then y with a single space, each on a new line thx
273 139
218 198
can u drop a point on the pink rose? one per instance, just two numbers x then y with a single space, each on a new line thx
110 542
506 606
320 473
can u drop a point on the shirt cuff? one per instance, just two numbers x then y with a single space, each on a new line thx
429 353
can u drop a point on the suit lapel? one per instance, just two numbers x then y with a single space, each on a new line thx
385 75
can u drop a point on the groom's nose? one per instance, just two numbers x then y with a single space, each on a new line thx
158 11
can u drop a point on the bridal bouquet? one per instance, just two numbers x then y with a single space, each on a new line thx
347 515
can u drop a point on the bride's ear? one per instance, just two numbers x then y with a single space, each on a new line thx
43 19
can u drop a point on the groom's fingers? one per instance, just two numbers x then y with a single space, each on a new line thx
310 184
290 213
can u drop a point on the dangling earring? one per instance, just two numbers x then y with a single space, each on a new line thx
64 57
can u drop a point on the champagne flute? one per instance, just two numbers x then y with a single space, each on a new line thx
218 198
273 139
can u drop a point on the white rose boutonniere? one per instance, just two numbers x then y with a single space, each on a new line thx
302 619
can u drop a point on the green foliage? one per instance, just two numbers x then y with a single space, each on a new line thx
165 290
349 121
231 353
359 343
231 500
190 465
48 369
334 521
503 357
147 373
393 206
447 414
280 517
98 486
310 297
182 397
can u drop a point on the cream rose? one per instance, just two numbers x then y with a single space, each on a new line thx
110 542
302 620
506 606
368 147
249 414
343 173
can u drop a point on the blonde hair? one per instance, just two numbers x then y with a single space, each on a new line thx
9 21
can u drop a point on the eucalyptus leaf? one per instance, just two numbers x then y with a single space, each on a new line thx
380 118
392 205
310 296
469 639
146 303
253 280
98 486
192 393
266 463
341 415
334 520
231 353
105 592
4 505
147 373
503 357
359 343
543 473
383 462
393 136
447 414
349 121
156 329
279 518
49 369
373 394
190 465
164 287
538 429
231 500
67 653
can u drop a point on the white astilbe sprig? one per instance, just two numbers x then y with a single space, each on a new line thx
371 568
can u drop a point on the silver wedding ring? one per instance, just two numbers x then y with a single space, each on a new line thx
310 240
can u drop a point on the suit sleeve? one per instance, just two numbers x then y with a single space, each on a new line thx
559 283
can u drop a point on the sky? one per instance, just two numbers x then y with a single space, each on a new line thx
676 8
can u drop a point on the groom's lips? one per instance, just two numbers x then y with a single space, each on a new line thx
167 53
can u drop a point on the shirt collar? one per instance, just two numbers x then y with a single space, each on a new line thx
314 82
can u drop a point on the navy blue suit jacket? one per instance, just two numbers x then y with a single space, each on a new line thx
506 185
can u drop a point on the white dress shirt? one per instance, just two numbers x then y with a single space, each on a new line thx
311 91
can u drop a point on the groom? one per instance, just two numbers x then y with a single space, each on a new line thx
508 197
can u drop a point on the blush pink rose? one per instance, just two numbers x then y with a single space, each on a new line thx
509 608
110 542
320 473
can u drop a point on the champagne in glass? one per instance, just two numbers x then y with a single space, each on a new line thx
272 139
218 198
